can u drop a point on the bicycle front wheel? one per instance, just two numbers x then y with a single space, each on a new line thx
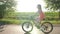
27 27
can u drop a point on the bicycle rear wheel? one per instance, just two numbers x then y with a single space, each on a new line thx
47 27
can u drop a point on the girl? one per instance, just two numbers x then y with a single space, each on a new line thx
41 14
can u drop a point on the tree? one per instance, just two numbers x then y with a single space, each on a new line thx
10 13
54 5
5 5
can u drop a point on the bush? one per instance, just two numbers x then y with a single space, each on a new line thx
10 21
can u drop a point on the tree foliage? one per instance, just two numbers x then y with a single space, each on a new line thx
53 4
10 13
5 5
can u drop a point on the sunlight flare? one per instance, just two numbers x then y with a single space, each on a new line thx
29 5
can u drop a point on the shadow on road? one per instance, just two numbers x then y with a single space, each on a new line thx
1 28
30 33
27 33
47 33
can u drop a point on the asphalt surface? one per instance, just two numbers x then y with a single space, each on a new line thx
17 29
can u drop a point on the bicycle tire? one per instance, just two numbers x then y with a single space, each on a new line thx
26 30
44 25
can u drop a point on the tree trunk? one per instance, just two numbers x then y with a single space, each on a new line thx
59 15
1 14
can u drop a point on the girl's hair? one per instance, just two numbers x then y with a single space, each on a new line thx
39 6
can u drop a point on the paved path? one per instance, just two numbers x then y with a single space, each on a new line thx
16 29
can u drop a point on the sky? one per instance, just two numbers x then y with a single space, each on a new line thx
29 5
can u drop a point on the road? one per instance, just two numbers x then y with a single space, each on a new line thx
16 29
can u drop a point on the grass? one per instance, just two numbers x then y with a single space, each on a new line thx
54 21
15 21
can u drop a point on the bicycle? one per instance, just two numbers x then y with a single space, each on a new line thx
45 27
28 26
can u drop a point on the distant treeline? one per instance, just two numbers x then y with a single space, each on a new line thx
52 15
49 15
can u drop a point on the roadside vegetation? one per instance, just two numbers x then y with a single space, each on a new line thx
19 18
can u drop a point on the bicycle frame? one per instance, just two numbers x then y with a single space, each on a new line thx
36 21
